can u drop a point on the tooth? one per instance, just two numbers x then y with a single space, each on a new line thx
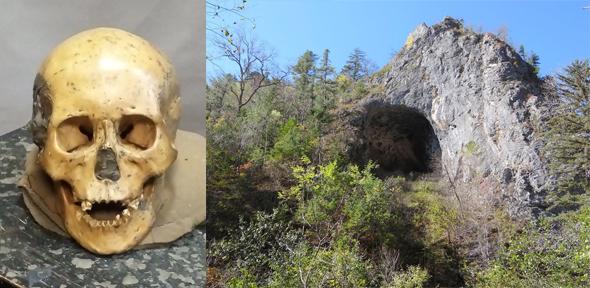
86 205
126 212
141 196
117 217
134 204
87 218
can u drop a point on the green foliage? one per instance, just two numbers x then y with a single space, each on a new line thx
254 246
357 66
339 265
471 148
414 277
353 197
568 138
332 221
521 51
438 219
326 70
532 59
554 254
305 75
244 280
293 142
315 86
409 42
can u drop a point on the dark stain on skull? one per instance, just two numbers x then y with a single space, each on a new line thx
42 109
106 165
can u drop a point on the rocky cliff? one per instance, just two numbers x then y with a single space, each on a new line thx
459 103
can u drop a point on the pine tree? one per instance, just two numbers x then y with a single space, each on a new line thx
522 52
325 89
305 74
534 61
569 131
326 69
357 65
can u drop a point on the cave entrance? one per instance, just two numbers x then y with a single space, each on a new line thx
401 140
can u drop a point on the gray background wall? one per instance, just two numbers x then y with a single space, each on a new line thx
29 30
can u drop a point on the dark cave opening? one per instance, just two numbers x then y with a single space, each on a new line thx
400 140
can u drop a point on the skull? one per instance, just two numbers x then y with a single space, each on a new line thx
105 112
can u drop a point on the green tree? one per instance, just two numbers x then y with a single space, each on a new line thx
533 59
569 131
326 70
305 74
522 52
325 89
217 94
357 66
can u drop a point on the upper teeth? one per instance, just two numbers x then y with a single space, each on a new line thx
134 204
86 205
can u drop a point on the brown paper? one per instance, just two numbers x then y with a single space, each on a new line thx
183 185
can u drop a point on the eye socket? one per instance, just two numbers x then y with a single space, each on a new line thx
75 133
137 131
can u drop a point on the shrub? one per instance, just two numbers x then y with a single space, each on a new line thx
293 142
339 265
413 277
352 198
554 254
252 247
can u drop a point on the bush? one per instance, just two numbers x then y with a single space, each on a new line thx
554 254
339 265
414 277
293 142
341 201
250 249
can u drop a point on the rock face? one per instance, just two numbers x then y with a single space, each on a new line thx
465 104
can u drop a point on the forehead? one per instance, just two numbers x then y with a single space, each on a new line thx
108 72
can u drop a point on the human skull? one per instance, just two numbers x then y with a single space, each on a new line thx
105 113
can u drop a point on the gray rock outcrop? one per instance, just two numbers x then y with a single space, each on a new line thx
481 101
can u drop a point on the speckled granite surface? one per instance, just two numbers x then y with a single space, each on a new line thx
34 257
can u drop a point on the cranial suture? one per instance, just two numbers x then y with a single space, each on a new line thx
105 114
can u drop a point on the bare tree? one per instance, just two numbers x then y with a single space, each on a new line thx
221 15
253 63
502 33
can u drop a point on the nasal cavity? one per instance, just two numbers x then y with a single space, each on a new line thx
106 165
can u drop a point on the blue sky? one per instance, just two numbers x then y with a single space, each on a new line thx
558 31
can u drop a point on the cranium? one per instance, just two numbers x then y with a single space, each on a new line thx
105 113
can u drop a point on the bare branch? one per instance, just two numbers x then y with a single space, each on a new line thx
252 67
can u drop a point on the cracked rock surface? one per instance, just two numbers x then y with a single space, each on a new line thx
483 102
